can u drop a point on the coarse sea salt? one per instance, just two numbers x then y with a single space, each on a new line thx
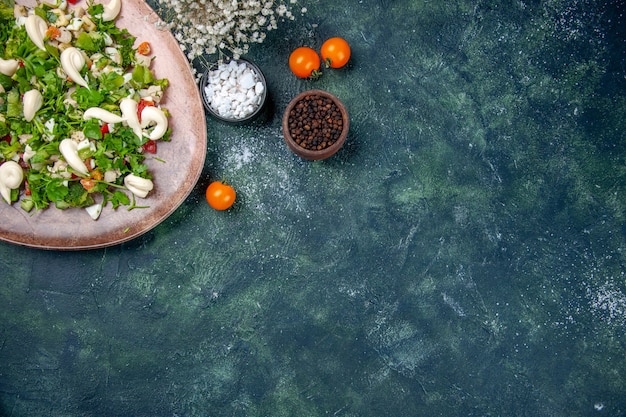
234 90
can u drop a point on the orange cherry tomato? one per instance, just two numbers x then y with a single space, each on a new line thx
97 175
53 32
220 196
144 48
335 52
304 62
88 183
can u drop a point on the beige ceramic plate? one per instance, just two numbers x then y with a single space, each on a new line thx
174 179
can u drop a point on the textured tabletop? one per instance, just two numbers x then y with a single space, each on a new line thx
461 255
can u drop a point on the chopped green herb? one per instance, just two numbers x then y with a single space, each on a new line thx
110 151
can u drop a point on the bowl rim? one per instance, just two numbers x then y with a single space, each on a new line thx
322 153
205 79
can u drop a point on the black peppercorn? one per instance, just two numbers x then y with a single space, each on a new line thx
315 122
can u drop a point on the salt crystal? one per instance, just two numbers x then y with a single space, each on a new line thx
224 108
215 101
247 81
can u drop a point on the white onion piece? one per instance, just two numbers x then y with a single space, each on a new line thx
94 210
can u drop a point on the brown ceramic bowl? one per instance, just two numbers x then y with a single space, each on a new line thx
306 149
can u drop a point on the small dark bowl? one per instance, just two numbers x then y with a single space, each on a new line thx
236 121
327 151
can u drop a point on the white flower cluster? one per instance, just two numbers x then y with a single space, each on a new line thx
211 26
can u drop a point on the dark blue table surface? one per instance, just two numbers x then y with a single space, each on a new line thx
462 255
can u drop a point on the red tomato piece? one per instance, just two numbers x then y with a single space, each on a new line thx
150 146
142 105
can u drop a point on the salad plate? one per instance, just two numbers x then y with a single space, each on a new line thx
175 169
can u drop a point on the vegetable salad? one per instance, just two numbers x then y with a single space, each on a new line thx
79 108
